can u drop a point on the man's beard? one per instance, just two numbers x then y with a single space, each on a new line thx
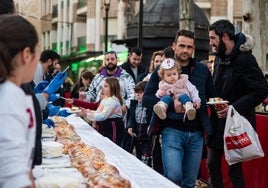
111 67
221 50
182 60
50 68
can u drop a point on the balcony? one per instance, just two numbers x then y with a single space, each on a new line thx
82 8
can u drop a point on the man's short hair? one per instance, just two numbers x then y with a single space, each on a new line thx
223 26
140 86
136 50
7 7
49 54
112 52
185 33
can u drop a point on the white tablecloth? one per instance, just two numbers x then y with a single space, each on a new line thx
140 175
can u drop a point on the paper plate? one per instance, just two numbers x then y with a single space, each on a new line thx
218 102
73 111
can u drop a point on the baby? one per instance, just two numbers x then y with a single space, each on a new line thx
174 85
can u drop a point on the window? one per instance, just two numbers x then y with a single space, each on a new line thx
238 26
82 46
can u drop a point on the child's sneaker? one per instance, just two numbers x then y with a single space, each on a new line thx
147 159
190 111
161 110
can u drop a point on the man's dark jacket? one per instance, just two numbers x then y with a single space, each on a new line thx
127 67
239 80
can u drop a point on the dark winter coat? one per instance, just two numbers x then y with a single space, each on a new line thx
239 80
139 129
127 67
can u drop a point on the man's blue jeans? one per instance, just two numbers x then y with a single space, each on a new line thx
181 155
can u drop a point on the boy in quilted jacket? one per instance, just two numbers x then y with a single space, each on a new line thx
138 122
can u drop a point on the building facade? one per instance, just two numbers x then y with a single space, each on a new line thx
76 28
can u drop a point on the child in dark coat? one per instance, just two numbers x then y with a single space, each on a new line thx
137 125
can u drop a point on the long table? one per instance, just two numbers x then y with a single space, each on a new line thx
139 174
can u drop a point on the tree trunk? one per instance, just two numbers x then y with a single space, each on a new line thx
186 8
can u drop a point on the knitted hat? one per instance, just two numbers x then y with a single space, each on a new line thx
168 63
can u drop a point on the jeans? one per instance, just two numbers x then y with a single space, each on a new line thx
214 166
166 99
183 98
181 155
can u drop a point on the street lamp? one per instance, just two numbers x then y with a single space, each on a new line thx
107 6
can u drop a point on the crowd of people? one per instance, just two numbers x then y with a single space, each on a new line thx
125 103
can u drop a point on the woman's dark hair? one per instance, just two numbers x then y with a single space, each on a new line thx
80 83
87 75
16 35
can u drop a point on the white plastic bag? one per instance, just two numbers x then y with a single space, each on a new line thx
241 142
